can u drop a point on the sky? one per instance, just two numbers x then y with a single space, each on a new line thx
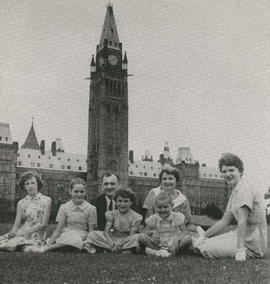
200 68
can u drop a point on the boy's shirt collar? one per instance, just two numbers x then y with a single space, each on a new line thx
169 218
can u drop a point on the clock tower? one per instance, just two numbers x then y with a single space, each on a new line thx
108 109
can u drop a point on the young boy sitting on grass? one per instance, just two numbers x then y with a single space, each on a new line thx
164 232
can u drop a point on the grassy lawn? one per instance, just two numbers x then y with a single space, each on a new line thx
67 267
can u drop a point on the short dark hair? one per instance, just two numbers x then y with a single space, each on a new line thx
170 171
75 181
126 192
110 173
28 175
229 159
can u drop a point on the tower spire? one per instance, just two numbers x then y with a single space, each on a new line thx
109 34
31 141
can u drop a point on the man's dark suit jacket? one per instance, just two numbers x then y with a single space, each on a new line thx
101 205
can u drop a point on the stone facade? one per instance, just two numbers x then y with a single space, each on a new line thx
8 162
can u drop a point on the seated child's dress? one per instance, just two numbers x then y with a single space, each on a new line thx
122 224
33 212
77 218
166 229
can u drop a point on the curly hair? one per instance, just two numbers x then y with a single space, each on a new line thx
169 170
126 193
75 181
229 159
28 175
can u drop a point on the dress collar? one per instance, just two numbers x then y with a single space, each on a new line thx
81 206
238 185
37 197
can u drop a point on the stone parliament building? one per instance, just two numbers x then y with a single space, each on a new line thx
107 146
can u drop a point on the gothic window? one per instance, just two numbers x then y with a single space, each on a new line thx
29 156
107 86
63 167
111 86
115 44
80 168
119 88
113 166
68 167
115 88
51 166
117 150
19 163
38 165
116 109
109 148
32 164
110 42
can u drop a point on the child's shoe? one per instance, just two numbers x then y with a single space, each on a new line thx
164 253
90 249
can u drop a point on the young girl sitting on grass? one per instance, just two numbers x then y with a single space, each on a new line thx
76 219
164 233
122 225
32 217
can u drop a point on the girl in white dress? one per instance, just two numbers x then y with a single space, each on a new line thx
76 218
32 217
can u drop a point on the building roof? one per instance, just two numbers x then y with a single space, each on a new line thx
5 136
31 141
210 172
184 155
109 30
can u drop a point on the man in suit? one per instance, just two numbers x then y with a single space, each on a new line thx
105 201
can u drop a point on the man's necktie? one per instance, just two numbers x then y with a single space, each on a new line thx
111 206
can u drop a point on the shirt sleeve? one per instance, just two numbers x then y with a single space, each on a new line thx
179 219
61 214
92 218
109 216
150 222
245 197
229 204
187 212
149 202
136 222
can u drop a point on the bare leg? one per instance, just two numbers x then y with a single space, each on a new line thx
146 241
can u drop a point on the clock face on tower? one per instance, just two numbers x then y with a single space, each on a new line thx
112 59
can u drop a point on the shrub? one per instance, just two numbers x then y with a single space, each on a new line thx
213 211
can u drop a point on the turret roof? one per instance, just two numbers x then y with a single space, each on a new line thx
31 141
109 30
